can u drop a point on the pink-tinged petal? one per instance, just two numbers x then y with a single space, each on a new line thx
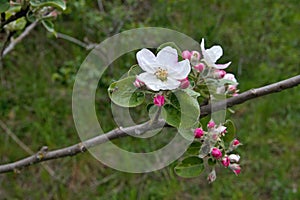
180 70
169 84
150 80
146 60
222 66
167 56
214 53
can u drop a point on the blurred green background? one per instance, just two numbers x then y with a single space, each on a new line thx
260 37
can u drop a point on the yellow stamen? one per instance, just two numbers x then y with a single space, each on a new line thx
161 74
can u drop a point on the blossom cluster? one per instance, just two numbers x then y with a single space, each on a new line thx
197 71
218 152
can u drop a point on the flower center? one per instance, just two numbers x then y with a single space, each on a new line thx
161 74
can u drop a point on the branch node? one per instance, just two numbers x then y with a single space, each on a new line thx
82 147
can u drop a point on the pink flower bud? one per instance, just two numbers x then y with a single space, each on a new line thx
198 132
234 158
159 100
186 54
225 161
220 73
185 83
235 168
211 124
200 67
235 142
232 88
215 152
137 83
212 176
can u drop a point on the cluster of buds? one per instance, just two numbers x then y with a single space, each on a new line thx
213 137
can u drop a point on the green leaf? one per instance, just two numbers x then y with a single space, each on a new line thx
171 44
60 4
134 70
49 26
171 115
125 94
190 167
189 108
231 131
4 5
194 148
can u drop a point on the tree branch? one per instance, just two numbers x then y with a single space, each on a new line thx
250 94
44 154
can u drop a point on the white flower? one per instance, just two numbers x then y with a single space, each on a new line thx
211 56
162 72
234 158
230 77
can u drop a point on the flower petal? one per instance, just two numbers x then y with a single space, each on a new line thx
222 66
180 71
214 53
167 56
155 84
202 45
146 60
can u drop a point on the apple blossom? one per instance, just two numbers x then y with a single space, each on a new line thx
185 83
186 54
200 67
137 83
198 132
162 72
234 158
212 176
211 124
215 152
159 100
230 77
225 161
235 168
210 56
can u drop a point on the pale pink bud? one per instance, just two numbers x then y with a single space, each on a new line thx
215 152
137 83
195 57
225 161
159 100
234 158
186 54
198 132
220 73
235 168
200 67
236 142
211 124
235 94
212 176
232 88
185 83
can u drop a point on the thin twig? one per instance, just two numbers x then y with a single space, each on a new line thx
23 146
14 42
75 41
100 6
116 133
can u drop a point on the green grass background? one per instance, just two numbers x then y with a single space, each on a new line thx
261 38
